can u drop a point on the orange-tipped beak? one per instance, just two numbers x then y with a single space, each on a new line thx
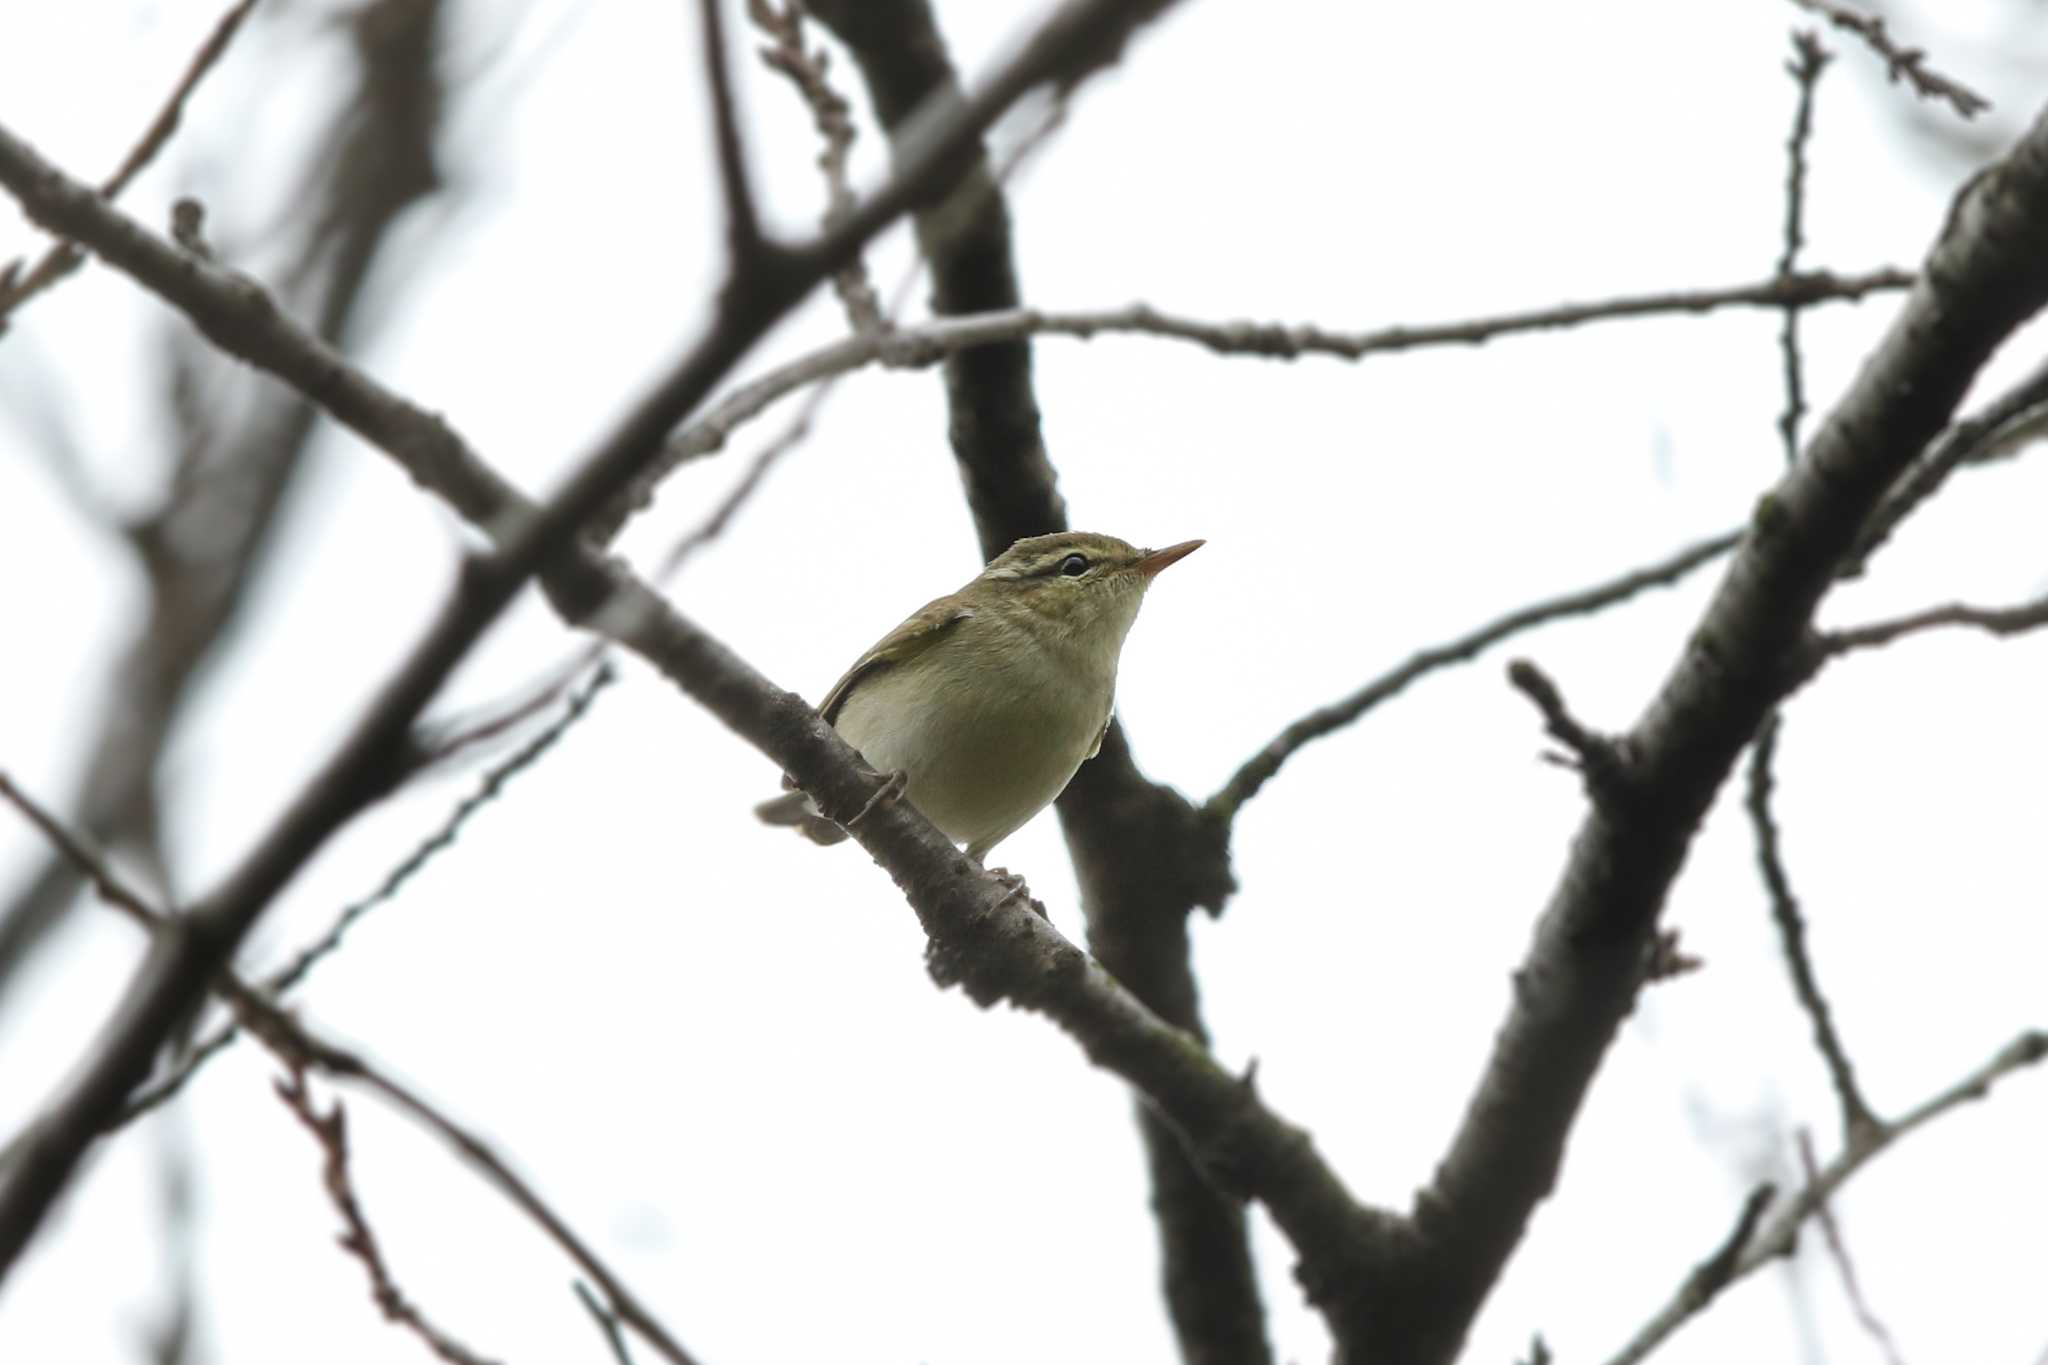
1155 560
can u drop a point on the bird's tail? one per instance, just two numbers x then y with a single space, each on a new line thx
795 808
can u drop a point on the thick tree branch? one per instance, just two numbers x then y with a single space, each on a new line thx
189 951
1137 903
1983 277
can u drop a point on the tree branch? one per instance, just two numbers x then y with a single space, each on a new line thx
1256 771
17 286
277 983
941 340
1838 1252
1579 978
1856 1113
1908 63
1992 620
188 952
299 1050
1778 1235
1993 431
1137 906
201 549
742 220
1809 59
358 1239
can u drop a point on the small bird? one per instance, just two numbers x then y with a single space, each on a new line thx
986 701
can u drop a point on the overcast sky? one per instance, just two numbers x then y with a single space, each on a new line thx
714 1047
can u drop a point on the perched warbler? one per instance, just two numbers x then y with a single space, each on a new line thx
988 699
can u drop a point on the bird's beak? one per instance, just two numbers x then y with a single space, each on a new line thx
1155 560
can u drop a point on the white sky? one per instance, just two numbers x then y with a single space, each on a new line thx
715 1048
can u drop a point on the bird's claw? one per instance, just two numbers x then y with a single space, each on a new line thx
886 794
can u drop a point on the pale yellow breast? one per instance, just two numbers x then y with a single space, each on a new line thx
987 737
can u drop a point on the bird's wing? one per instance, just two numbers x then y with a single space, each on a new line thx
925 628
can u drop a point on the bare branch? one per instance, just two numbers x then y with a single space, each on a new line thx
110 888
190 951
358 1239
443 837
18 287
1778 1235
299 1050
807 71
1707 1279
1262 766
1838 1252
295 1045
941 340
1581 975
1808 61
1857 1117
1901 63
1601 760
1994 431
1137 908
487 790
742 220
200 549
1993 620
607 1322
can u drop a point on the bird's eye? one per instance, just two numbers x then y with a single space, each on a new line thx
1073 566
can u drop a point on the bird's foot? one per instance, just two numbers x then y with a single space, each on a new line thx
886 794
1018 890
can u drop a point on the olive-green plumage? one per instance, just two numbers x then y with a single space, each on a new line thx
988 700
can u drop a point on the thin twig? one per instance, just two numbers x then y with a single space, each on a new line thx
1778 1234
919 347
110 888
358 1239
1838 1252
1078 38
1901 63
808 71
1599 758
1857 1117
17 287
1809 59
1706 1281
1994 620
607 1322
299 1049
289 976
1996 430
1260 768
